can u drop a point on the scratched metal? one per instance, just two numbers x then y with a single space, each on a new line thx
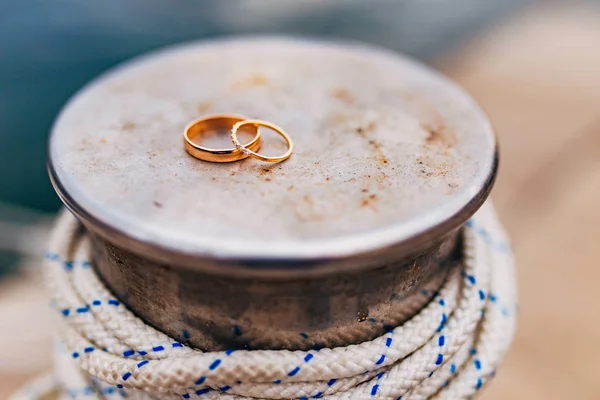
327 248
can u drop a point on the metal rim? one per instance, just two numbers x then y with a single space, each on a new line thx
301 261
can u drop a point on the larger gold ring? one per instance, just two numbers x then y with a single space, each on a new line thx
224 122
248 151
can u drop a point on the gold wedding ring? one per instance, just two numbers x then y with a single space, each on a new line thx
246 150
219 122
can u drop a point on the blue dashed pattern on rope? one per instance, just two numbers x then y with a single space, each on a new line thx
85 309
450 370
128 353
200 381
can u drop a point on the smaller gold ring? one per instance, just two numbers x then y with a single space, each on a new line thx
249 152
224 122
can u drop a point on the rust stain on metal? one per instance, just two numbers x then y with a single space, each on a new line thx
338 119
204 106
307 211
414 268
439 136
368 201
373 144
362 131
128 126
343 95
433 168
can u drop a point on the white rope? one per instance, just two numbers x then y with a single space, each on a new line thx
448 350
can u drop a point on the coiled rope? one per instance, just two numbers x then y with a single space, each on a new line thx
448 350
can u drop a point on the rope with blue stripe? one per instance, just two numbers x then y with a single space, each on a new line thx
449 350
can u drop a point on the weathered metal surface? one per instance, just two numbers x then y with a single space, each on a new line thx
390 160
217 312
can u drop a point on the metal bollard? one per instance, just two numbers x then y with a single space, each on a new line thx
346 239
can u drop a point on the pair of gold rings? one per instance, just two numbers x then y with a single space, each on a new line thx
235 124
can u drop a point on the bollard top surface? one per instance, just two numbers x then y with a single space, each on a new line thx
387 152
